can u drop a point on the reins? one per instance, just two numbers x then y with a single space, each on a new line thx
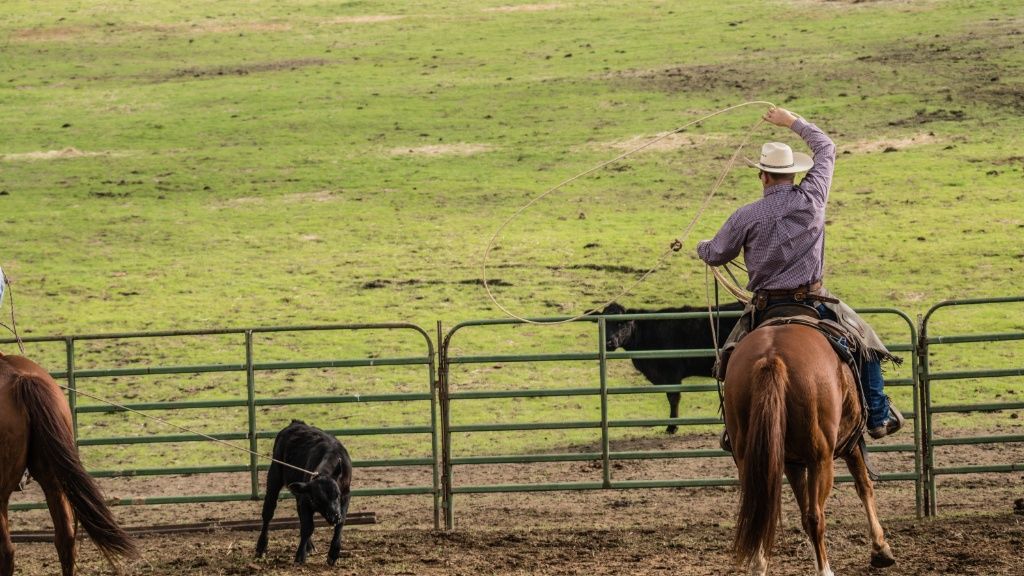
675 245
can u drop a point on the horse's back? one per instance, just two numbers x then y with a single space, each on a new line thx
816 382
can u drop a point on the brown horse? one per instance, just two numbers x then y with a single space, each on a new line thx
790 404
36 432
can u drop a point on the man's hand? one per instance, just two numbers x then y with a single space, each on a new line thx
780 117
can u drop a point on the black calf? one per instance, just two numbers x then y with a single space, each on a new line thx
326 492
679 334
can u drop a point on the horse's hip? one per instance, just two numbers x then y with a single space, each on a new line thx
818 398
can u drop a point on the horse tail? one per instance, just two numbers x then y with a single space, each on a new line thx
53 442
763 461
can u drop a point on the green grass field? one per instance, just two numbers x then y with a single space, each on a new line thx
196 164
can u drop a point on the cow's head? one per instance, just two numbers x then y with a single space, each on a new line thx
617 332
324 494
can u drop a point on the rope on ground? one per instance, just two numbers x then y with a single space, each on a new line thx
675 245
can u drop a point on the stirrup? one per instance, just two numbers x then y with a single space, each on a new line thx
892 424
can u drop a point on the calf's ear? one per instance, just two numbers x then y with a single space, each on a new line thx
298 488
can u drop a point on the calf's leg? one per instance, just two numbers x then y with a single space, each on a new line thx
335 550
275 482
673 410
306 513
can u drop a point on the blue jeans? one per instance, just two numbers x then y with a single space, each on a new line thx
870 379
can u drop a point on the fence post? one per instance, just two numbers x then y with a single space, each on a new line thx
446 434
602 355
925 417
250 385
69 349
434 452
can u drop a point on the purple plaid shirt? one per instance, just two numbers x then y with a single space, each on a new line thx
782 235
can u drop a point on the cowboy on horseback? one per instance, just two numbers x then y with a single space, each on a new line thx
782 237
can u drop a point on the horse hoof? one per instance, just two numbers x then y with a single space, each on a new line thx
671 430
883 558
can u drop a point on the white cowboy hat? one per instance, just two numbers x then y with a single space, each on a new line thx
779 158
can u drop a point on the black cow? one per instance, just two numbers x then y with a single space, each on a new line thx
678 334
326 492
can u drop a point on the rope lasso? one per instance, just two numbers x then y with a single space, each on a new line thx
676 244
731 284
13 328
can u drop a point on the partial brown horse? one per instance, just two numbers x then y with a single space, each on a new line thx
36 432
790 404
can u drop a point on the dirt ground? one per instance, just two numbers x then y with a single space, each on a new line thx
679 531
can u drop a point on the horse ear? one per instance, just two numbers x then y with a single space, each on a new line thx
298 488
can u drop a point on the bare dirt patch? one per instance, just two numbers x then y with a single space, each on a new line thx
745 79
460 149
891 144
50 34
243 69
684 531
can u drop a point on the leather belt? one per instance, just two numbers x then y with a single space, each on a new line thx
799 294
805 289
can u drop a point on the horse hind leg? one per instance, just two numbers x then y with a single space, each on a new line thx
881 553
6 547
758 565
819 486
64 527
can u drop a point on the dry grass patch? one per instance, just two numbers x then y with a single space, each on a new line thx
460 149
890 144
71 33
525 8
62 154
318 196
51 34
368 19
664 142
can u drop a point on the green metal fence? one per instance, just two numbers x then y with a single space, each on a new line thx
450 395
445 393
932 443
251 401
